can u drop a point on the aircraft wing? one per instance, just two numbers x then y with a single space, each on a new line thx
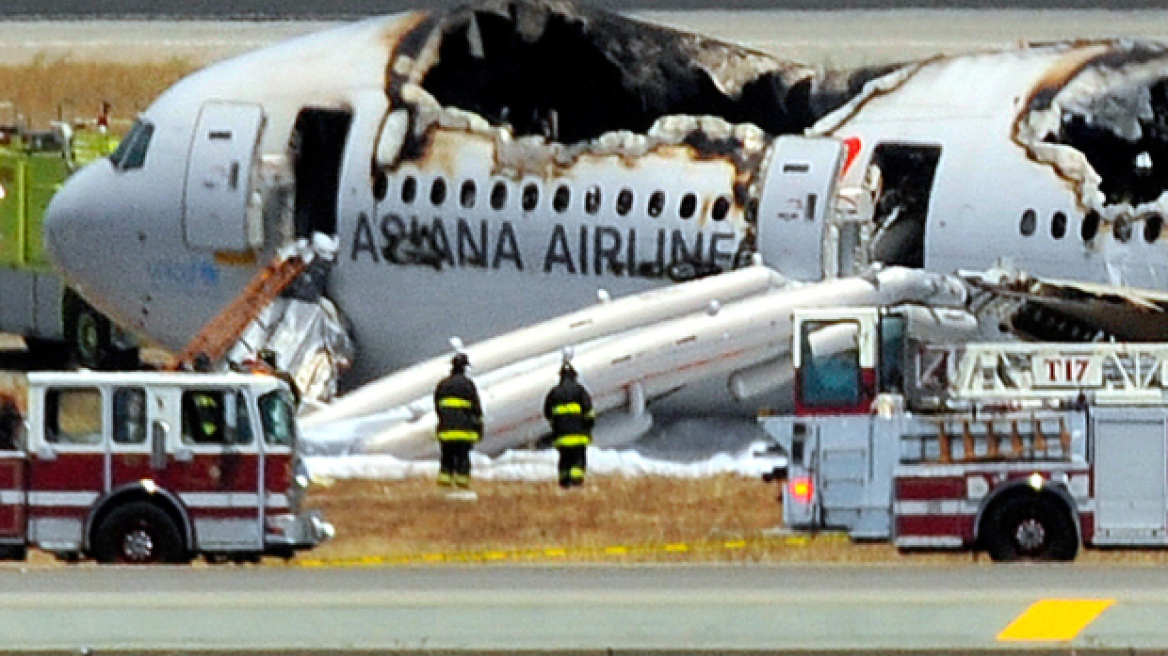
1064 310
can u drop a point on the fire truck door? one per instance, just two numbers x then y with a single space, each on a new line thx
215 469
130 450
1130 476
67 464
277 418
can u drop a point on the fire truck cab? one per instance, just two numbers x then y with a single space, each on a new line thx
1024 450
151 467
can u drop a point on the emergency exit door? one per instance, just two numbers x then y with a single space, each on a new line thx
219 212
797 199
1131 469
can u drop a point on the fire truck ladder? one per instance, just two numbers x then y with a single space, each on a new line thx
1017 372
221 332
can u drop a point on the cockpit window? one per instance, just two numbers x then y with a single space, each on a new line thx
131 153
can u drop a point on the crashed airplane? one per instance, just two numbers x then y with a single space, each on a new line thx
487 170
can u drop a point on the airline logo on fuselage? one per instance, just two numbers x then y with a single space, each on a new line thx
583 249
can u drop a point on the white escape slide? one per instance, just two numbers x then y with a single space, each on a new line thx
734 326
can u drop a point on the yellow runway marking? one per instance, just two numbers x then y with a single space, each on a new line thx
1054 619
551 553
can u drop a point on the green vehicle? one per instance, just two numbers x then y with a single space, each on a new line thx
56 323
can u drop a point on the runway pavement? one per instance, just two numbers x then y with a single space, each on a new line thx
586 609
824 37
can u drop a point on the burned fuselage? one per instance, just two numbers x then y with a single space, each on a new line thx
583 116
494 165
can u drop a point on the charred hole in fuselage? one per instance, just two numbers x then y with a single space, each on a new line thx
1122 131
902 207
318 147
573 73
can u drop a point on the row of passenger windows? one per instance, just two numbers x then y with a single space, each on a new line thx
529 194
1089 228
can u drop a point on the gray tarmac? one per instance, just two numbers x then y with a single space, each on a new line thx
822 37
577 609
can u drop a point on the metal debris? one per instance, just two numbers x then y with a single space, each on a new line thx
1062 310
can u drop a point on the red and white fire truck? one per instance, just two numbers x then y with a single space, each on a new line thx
152 467
1024 450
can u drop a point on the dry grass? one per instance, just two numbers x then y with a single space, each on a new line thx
412 519
44 90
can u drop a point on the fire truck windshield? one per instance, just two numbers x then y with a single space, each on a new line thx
277 414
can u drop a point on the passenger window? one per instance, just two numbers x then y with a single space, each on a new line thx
656 203
721 208
215 417
466 196
1123 230
380 186
1090 226
624 201
562 199
73 416
1058 225
438 191
409 190
1029 223
530 196
131 152
592 200
130 415
831 363
1153 226
499 196
689 205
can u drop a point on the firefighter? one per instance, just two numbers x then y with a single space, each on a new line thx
460 423
267 357
568 408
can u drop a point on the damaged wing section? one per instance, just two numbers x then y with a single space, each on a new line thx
1100 118
1064 311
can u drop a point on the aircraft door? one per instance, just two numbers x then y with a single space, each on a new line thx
220 209
797 197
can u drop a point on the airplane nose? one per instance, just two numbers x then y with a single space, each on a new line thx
73 223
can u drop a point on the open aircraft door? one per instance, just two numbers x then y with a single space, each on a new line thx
798 195
219 210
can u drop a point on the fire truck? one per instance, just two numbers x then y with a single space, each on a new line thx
56 323
1023 450
156 467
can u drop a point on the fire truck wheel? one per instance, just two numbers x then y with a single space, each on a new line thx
138 533
1030 528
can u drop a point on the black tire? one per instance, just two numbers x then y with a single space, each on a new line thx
138 533
1030 527
88 333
